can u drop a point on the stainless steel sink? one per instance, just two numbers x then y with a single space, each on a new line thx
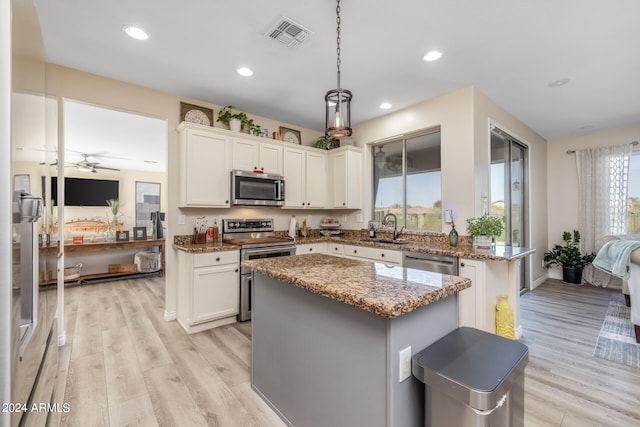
388 241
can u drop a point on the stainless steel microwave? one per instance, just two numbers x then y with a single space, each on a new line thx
256 189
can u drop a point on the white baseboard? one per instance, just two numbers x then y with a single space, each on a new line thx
518 332
539 281
170 315
62 339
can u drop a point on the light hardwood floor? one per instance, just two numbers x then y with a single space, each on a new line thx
123 364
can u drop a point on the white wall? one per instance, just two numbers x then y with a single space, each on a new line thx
464 117
80 86
562 209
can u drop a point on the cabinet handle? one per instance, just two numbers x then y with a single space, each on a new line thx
236 270
343 203
382 255
462 264
310 249
261 169
218 259
226 202
355 251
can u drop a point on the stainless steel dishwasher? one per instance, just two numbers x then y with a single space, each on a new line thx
443 264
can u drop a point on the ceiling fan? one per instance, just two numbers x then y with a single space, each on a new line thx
85 165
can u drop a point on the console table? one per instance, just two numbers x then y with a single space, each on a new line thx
105 247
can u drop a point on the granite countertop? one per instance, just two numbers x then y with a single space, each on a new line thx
496 253
388 291
432 246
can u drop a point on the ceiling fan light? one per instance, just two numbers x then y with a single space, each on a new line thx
381 158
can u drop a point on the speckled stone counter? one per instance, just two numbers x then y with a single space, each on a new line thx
384 290
327 333
465 250
183 243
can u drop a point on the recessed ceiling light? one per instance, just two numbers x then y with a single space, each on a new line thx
560 82
432 55
135 32
245 72
385 105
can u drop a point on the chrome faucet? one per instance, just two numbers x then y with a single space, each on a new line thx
396 233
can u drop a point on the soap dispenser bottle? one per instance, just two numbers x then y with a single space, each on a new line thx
372 231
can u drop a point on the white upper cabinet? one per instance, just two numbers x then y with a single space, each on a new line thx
346 168
305 178
249 155
205 164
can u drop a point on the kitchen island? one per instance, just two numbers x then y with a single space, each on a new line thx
327 333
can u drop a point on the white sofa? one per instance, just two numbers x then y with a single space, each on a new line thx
631 288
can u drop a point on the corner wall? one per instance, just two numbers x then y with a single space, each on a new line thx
563 179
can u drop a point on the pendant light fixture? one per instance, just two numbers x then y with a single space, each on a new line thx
338 101
380 158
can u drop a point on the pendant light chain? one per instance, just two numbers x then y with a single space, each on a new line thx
338 101
338 40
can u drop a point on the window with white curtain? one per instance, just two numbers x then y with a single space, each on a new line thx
633 215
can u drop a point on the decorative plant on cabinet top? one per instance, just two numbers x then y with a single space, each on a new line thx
226 116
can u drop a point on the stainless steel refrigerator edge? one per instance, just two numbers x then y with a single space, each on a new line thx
28 342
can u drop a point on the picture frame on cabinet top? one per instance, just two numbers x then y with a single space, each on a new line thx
195 114
290 135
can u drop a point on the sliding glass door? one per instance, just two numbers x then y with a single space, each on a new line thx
508 191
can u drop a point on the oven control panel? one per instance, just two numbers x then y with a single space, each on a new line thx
246 225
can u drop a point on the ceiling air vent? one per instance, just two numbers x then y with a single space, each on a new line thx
288 32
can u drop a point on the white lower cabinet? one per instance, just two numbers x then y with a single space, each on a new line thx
311 248
386 256
335 249
471 301
208 289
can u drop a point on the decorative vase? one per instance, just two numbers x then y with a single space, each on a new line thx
453 236
482 242
110 235
504 318
235 125
572 275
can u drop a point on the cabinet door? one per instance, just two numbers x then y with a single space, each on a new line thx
339 163
246 155
316 180
347 178
205 165
471 301
294 178
215 293
271 158
311 248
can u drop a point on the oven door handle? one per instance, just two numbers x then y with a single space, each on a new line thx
248 252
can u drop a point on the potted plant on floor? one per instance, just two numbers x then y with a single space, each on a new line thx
484 229
569 257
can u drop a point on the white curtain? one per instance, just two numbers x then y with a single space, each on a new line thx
603 174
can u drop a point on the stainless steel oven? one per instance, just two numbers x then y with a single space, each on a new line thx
256 189
256 240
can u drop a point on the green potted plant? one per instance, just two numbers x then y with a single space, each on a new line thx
569 257
114 206
484 229
327 142
237 121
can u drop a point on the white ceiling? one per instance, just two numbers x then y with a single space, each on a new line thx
509 49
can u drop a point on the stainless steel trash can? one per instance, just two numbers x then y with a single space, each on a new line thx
473 378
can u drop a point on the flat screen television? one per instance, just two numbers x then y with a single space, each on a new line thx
83 191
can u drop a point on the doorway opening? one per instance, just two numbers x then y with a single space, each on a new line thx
509 192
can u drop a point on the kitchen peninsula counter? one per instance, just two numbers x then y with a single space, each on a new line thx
327 333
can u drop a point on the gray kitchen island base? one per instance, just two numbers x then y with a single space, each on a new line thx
320 362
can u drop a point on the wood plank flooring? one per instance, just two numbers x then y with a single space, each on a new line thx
124 365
